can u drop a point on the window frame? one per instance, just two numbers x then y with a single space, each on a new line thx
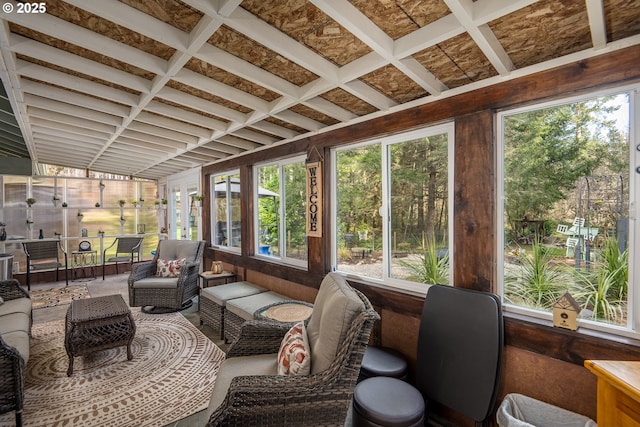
228 219
388 282
632 330
280 259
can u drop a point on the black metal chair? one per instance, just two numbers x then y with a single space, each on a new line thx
128 249
460 348
45 255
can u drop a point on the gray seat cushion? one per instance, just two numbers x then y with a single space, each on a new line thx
18 305
20 341
246 306
15 322
222 293
263 364
373 407
155 282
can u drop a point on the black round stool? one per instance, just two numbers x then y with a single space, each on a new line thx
387 402
382 362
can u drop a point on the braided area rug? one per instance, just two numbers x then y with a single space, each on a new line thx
171 376
41 298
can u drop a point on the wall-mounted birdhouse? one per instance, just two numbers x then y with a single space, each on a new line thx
565 312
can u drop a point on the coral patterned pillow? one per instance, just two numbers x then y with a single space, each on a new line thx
169 267
294 357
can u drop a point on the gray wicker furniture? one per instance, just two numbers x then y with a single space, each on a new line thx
44 255
213 302
128 249
167 293
15 327
248 392
97 324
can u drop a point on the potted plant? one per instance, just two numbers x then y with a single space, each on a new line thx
134 203
97 204
141 201
122 219
30 201
198 199
164 203
64 204
55 200
79 215
121 202
100 233
101 185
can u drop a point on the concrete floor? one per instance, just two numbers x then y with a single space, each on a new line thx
117 284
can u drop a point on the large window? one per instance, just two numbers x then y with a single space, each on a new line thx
392 209
280 197
225 189
569 185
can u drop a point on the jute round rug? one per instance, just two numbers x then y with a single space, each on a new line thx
171 376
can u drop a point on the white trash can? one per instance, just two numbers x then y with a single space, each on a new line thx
6 266
518 410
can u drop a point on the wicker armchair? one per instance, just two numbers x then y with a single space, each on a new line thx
248 390
166 294
14 346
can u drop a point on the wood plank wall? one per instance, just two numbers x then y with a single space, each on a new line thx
541 361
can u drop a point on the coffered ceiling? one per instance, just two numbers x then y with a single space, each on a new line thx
149 88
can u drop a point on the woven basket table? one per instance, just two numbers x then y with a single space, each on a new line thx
97 324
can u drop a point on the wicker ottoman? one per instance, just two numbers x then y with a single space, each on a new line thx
97 324
240 310
214 299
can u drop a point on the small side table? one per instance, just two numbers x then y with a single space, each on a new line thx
225 276
290 311
83 265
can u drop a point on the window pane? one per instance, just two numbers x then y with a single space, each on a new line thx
358 222
419 211
566 209
234 203
268 210
295 176
226 210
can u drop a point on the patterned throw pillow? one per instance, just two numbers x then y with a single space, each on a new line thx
294 357
169 267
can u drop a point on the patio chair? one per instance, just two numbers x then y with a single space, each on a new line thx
127 249
248 391
164 284
45 255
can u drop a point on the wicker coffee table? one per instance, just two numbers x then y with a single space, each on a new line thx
97 324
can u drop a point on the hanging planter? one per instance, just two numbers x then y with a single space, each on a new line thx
55 199
30 201
80 216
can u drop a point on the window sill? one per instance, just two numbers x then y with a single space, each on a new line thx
540 336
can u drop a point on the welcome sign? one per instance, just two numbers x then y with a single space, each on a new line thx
314 199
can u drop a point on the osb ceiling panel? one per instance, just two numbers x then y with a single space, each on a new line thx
543 31
399 18
457 61
184 83
255 53
306 24
622 18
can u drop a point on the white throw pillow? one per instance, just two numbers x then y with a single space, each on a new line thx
294 357
169 268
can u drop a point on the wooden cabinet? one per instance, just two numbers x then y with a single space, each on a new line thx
618 392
